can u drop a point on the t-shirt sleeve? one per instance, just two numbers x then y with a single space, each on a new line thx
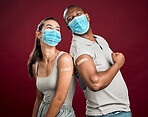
103 41
80 50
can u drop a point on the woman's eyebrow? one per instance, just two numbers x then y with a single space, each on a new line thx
48 25
58 27
51 25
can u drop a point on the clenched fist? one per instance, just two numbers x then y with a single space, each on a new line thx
118 58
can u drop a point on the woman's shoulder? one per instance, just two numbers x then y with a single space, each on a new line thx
65 57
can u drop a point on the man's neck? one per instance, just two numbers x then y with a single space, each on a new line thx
88 35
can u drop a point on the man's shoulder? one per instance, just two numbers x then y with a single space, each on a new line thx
76 51
101 40
99 37
79 48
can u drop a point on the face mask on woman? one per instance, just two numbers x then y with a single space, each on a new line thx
51 37
79 24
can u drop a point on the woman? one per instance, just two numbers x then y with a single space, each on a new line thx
53 71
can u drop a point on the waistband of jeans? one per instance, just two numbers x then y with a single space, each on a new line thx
109 114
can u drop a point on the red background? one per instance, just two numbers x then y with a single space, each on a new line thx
123 23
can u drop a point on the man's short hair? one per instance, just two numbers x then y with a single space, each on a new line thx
71 6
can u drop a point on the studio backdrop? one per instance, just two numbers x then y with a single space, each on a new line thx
123 23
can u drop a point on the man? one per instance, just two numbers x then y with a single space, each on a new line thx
97 68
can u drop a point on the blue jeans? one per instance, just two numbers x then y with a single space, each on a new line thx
65 111
115 114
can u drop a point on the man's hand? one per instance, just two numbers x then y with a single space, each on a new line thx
118 58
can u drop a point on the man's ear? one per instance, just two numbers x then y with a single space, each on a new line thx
87 16
38 34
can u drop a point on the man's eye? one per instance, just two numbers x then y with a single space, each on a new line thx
78 14
69 19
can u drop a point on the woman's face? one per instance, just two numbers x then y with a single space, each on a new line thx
49 24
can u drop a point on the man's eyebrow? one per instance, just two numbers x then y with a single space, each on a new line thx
67 17
79 10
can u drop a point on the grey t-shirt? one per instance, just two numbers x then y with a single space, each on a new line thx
112 98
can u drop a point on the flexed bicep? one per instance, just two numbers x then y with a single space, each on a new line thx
86 68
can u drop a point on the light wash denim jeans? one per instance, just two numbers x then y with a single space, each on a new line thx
65 111
115 114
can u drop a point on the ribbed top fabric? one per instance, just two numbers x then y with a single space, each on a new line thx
47 85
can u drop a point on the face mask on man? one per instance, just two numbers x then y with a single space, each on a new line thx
51 37
79 24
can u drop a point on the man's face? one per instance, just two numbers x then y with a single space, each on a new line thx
72 13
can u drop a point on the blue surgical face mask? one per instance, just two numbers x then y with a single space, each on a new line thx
79 24
51 37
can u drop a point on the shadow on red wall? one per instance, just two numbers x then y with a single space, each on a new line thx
124 24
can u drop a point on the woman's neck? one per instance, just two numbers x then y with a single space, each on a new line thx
49 52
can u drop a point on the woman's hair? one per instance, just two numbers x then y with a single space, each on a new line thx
36 54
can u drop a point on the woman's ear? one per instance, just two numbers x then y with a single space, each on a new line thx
38 34
87 16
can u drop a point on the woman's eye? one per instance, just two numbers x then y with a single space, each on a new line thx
49 27
58 30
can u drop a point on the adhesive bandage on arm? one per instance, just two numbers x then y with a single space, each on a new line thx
81 61
65 69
